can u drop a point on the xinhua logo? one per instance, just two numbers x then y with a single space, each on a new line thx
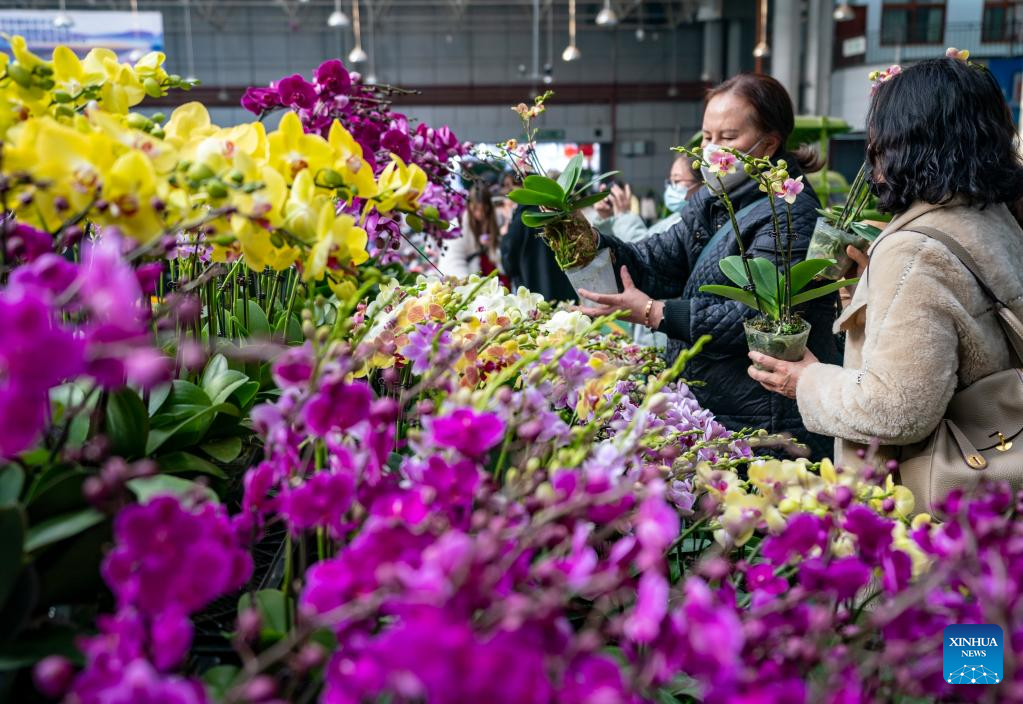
972 654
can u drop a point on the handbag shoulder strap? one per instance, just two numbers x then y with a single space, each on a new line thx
1010 323
725 230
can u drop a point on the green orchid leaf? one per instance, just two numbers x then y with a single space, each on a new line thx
542 184
65 398
732 268
594 182
12 537
61 528
815 293
219 680
524 196
587 201
867 232
731 292
570 176
157 396
766 278
803 272
255 323
12 481
224 449
179 462
272 607
147 488
189 430
540 219
127 424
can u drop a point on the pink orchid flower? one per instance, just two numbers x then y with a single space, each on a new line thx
721 163
789 189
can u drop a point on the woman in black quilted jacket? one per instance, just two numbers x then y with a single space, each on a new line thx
662 275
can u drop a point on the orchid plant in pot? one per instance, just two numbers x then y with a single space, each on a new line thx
564 229
775 289
838 227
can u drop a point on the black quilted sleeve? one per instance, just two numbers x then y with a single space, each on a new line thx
659 264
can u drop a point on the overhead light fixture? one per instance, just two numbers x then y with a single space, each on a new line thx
371 79
607 16
844 13
357 55
62 20
640 34
571 52
337 18
761 50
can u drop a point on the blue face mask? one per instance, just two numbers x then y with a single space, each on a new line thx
674 197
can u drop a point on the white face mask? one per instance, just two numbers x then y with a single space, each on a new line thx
727 181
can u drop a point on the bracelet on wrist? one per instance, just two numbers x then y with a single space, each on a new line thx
646 313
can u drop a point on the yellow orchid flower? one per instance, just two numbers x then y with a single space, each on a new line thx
72 164
400 186
150 71
130 190
304 206
71 75
188 123
348 161
739 518
19 47
256 244
122 89
337 239
292 150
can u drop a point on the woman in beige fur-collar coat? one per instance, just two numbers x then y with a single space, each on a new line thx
918 327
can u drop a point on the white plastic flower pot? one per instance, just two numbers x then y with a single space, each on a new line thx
829 242
598 276
789 348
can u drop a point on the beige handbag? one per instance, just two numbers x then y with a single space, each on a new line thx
980 436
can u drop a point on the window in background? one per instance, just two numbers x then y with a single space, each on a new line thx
1001 22
912 22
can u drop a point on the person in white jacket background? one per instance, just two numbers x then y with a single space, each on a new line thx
615 216
476 250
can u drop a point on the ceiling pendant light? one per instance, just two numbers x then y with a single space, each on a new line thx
357 55
571 52
844 13
62 20
607 16
337 18
762 50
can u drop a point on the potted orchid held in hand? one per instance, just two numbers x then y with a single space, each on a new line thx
564 229
838 228
775 289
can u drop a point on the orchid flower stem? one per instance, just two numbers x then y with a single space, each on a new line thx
286 583
723 197
779 252
687 532
788 261
291 304
503 457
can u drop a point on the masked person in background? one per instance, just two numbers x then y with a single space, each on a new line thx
662 275
615 217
